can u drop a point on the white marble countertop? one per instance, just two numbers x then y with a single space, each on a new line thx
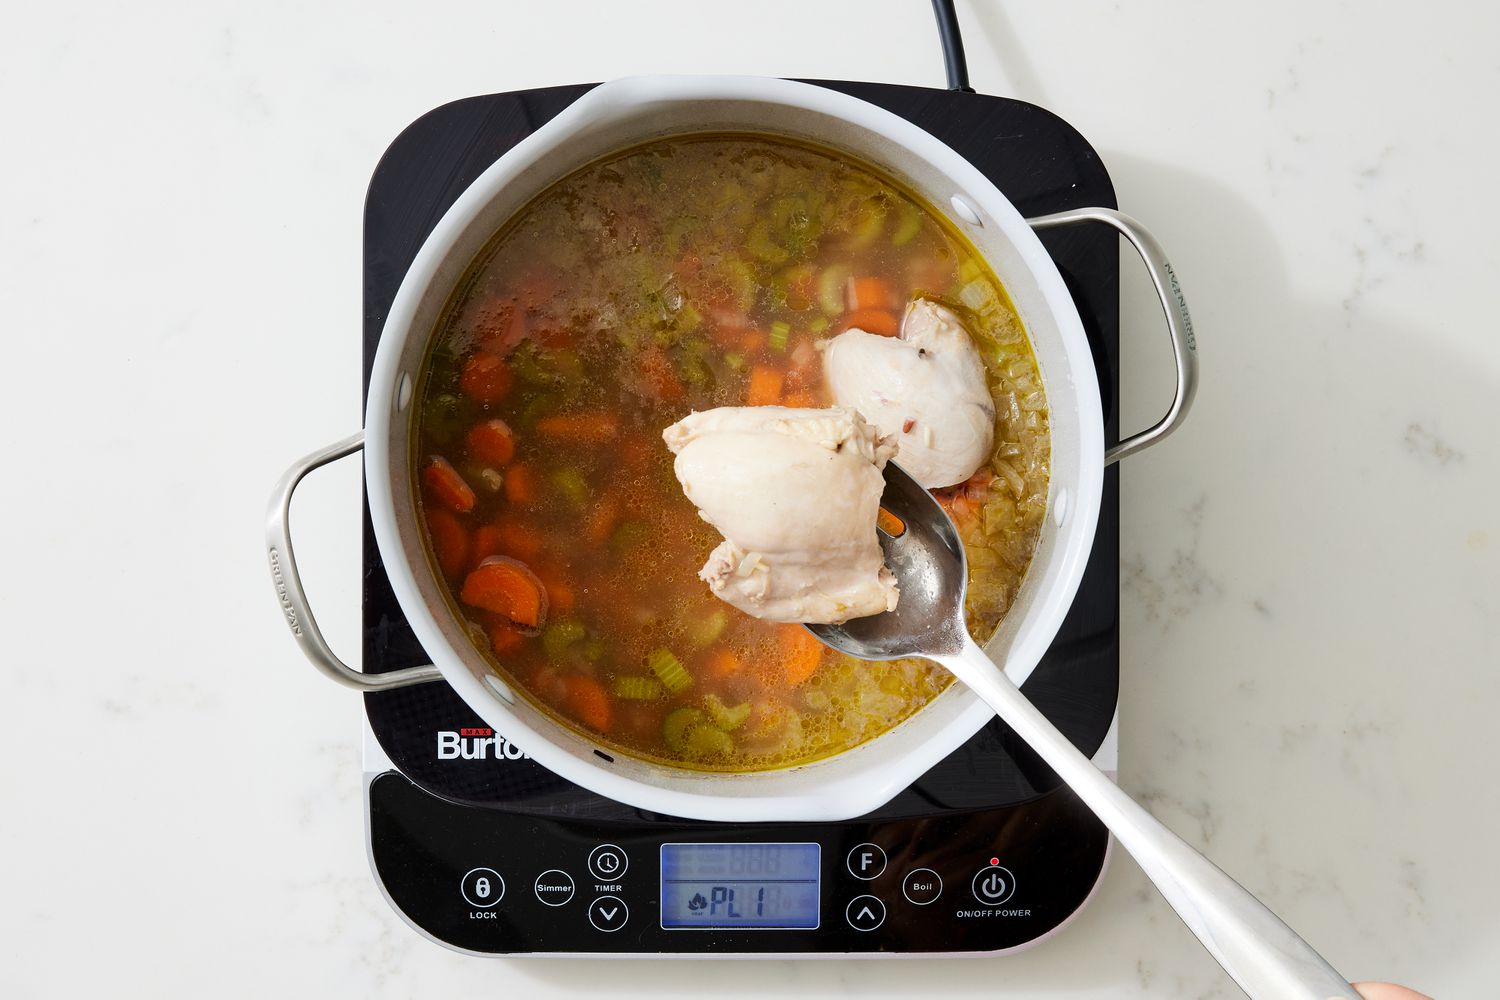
1311 572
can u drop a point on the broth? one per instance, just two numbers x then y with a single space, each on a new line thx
684 274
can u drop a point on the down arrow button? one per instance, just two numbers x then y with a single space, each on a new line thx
608 913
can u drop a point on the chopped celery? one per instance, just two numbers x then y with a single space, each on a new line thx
571 484
833 285
559 635
443 418
701 738
707 631
638 688
909 226
669 670
871 221
674 728
724 716
628 535
780 330
688 317
758 244
735 360
975 294
818 324
594 649
740 277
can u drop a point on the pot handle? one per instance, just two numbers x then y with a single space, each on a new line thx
293 599
1173 305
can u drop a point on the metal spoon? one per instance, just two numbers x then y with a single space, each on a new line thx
1260 952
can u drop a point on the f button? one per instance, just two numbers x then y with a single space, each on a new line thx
866 862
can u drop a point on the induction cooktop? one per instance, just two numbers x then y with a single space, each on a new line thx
482 850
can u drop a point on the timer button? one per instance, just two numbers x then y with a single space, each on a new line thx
482 887
922 886
993 885
865 913
866 862
608 914
608 862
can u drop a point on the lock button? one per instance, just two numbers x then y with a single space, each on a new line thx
482 887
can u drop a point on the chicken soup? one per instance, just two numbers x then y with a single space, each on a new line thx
687 274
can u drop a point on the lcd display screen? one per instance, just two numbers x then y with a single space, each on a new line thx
725 886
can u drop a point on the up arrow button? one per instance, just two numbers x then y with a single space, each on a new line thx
865 913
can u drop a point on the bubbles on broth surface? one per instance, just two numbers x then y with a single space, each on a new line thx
684 275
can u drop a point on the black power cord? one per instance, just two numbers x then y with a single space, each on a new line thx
953 46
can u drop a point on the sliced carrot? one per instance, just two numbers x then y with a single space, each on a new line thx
881 322
582 428
486 542
561 597
885 521
589 702
801 654
765 386
491 442
521 486
486 378
660 377
547 685
505 638
634 452
503 328
450 540
506 587
601 520
446 486
801 399
870 293
517 540
722 663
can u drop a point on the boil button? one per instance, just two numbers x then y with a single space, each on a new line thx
922 886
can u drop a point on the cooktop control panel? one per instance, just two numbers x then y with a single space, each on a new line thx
491 881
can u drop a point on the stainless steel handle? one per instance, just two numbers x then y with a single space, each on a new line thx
1173 305
1260 952
293 598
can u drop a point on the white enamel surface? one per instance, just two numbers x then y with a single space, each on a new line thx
1311 565
628 111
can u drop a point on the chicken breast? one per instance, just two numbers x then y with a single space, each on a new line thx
795 492
925 388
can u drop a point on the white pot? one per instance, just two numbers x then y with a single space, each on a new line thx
624 113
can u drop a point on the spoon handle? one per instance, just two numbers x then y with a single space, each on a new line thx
1260 952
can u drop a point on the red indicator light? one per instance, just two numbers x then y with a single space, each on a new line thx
994 861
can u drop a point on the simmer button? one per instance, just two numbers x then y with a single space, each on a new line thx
554 887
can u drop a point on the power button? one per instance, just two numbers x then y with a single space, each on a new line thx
993 885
